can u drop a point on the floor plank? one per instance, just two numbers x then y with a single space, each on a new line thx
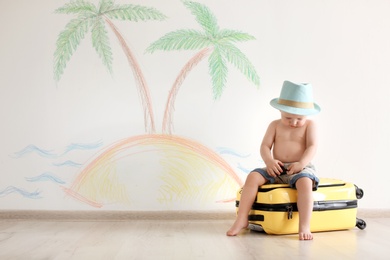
180 239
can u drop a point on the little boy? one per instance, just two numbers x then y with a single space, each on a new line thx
290 142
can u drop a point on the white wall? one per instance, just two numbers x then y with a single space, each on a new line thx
341 47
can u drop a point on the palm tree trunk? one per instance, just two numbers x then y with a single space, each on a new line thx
170 105
140 81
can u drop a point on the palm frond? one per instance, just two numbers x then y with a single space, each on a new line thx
241 62
100 42
204 17
105 5
234 36
77 7
67 42
133 13
218 71
180 40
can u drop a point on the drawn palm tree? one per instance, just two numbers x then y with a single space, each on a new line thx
90 17
213 41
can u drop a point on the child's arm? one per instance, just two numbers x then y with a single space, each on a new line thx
273 166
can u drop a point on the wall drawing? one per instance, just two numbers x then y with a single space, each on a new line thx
215 43
178 172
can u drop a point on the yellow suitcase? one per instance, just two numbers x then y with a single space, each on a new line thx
335 208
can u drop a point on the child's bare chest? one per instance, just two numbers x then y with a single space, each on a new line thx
291 134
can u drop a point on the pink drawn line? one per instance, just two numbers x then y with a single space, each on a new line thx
140 79
82 198
170 106
153 139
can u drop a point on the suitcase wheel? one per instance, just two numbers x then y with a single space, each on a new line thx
360 223
359 192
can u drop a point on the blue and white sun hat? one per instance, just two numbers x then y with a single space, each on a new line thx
296 99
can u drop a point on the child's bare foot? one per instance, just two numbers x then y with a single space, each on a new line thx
305 235
237 227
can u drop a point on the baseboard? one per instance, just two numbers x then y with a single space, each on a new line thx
114 215
103 215
374 213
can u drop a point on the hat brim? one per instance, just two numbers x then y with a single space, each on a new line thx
295 110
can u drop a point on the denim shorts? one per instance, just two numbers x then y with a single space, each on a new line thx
309 172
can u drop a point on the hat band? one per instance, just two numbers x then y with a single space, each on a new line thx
296 104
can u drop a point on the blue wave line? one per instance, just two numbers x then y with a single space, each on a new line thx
47 176
76 146
243 169
225 150
34 149
49 153
26 194
68 163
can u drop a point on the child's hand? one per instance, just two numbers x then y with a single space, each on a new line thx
294 168
274 168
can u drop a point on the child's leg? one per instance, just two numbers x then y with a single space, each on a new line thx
249 192
305 206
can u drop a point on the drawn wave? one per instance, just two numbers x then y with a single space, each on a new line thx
50 154
34 149
225 150
243 169
12 189
47 176
78 146
68 163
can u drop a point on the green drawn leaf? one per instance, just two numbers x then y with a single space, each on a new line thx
180 40
67 42
100 42
105 5
77 7
134 13
204 17
241 62
234 36
218 71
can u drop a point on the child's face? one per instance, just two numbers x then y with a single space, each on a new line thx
292 120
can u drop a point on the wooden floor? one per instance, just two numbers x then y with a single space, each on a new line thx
181 239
